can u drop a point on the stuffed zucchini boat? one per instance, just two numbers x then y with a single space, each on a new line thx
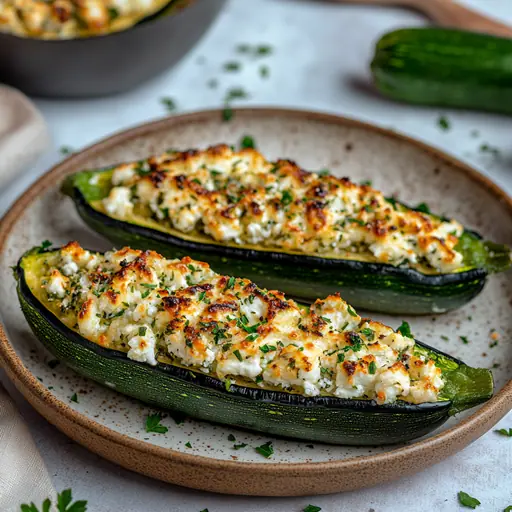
177 335
307 234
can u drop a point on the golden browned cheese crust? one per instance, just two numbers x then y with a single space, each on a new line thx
240 198
182 312
64 19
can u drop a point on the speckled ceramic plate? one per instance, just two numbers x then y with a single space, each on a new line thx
199 454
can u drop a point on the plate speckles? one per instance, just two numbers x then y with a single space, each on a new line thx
114 425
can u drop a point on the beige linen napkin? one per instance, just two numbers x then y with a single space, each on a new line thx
23 475
23 133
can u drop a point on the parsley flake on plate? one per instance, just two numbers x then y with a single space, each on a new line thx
467 501
504 432
265 449
312 508
153 424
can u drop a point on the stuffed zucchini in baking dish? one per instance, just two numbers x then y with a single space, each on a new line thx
177 335
304 233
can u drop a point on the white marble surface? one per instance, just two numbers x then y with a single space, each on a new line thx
320 61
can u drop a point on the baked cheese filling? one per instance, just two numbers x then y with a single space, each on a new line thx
241 198
64 19
181 312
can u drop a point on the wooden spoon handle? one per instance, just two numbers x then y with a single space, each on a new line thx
447 14
454 15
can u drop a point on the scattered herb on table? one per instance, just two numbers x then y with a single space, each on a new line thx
239 446
312 508
236 93
74 398
486 148
467 501
265 449
443 123
264 71
260 50
504 432
153 424
64 504
232 66
464 339
405 330
247 142
168 103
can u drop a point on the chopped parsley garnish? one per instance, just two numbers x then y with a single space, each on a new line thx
405 330
286 198
247 142
341 357
202 298
372 368
148 285
188 445
168 103
231 438
422 207
267 348
238 355
445 338
443 123
464 339
357 221
504 432
467 501
227 384
153 424
45 244
312 508
326 319
366 183
238 446
142 330
113 13
64 504
230 284
74 398
323 172
369 333
351 312
252 337
232 66
260 50
265 449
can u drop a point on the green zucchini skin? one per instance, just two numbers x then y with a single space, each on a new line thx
371 286
445 67
325 419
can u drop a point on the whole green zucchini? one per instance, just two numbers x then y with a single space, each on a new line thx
445 67
368 284
207 397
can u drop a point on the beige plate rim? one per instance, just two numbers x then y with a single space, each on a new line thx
425 452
